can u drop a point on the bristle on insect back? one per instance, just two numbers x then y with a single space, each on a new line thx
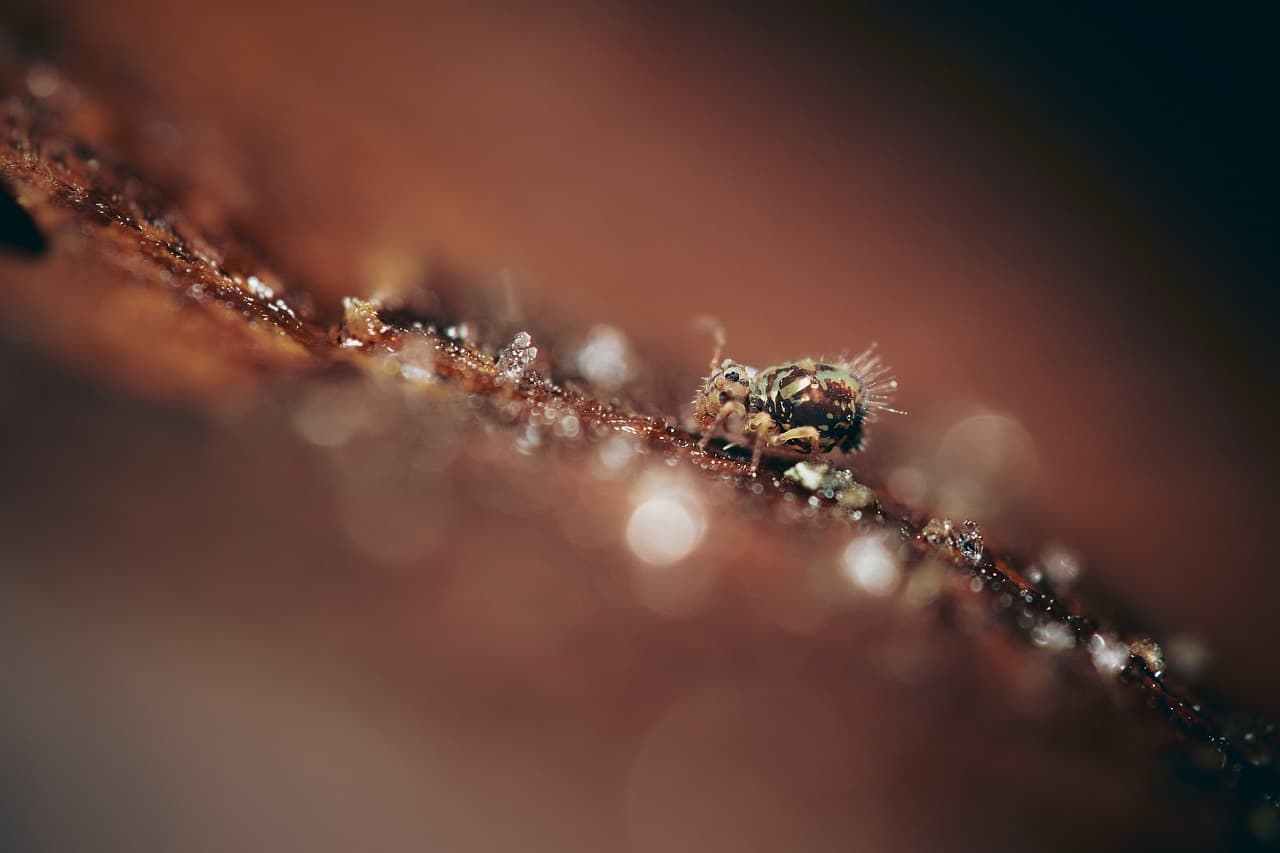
878 382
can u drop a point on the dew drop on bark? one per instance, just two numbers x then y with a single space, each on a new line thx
516 357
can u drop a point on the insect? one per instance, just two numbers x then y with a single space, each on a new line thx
807 406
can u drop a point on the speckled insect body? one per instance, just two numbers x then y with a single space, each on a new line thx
807 406
826 397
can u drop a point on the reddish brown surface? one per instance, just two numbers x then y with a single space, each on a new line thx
189 619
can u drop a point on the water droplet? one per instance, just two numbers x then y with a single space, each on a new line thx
908 485
416 359
516 357
459 332
615 454
259 289
1062 565
983 459
1109 654
1053 636
568 426
42 80
529 441
868 563
605 358
329 417
663 530
968 540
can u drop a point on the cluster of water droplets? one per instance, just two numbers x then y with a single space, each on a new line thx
965 538
515 358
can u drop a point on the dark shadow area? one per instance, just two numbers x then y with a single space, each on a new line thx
1167 107
18 233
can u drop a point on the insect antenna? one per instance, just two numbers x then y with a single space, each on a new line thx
712 326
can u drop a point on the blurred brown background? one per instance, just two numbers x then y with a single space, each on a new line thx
1061 217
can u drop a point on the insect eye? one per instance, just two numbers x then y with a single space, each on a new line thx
732 376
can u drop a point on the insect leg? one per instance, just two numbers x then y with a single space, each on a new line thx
726 410
762 426
798 433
